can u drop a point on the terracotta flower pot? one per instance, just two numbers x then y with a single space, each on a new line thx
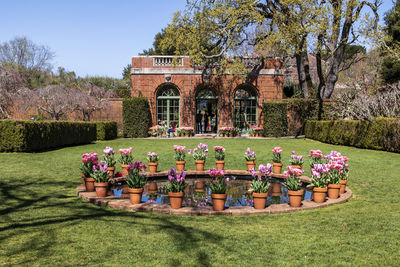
297 166
153 167
295 198
251 164
135 195
152 188
89 182
220 164
260 199
180 165
319 194
111 171
276 189
199 165
199 186
277 168
175 199
125 170
101 189
125 191
343 184
218 201
333 190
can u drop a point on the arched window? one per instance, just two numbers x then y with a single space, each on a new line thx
168 105
245 106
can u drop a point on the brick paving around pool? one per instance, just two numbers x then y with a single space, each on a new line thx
124 203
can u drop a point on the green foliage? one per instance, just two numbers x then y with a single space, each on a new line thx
157 49
107 83
106 130
136 179
293 183
381 134
300 110
259 185
18 135
123 92
275 119
135 117
218 185
390 69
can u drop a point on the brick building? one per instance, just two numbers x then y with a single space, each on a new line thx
190 96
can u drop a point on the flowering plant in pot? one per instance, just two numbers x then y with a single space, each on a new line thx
315 157
88 161
136 181
125 159
296 161
277 160
260 185
152 159
180 157
250 157
101 176
319 182
293 185
218 188
108 157
219 157
175 186
200 154
334 177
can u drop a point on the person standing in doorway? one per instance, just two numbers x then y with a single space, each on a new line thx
198 122
205 122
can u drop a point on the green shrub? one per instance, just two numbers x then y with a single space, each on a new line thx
380 134
123 92
28 136
106 130
300 110
135 117
275 118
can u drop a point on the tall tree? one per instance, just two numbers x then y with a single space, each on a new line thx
31 60
390 70
215 28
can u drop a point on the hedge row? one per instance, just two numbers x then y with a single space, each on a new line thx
275 119
288 117
29 136
135 117
106 130
381 134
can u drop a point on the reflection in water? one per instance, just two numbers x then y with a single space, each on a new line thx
236 190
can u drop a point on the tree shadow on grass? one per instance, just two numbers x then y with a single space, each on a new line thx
20 197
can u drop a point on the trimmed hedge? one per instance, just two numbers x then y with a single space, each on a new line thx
29 136
135 117
300 110
106 130
275 118
380 134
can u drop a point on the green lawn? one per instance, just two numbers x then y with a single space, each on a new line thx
43 222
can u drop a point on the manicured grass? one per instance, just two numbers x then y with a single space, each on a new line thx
43 222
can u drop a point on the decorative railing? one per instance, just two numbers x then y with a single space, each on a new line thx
167 61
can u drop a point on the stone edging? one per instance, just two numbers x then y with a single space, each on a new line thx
234 211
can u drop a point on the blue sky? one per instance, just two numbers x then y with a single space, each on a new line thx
92 37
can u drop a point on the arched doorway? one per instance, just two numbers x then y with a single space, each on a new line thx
206 115
168 108
245 106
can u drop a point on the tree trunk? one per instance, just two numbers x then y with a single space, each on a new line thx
301 73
